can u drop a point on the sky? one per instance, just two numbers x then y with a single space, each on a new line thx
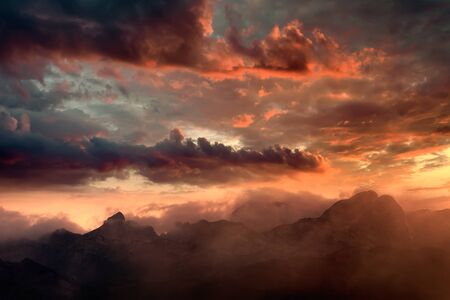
190 106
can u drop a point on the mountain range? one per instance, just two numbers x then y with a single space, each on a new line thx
364 247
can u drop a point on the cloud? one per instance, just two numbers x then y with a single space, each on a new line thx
258 209
265 209
163 33
26 157
11 124
173 214
7 122
243 121
287 49
167 32
399 26
395 106
14 225
70 124
273 112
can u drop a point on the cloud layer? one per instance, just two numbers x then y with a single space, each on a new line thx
168 32
258 209
163 33
26 157
89 91
14 225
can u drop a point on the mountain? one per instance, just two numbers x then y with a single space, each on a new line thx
365 221
117 230
110 255
221 244
30 280
364 247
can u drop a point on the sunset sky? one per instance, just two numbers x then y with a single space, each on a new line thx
143 106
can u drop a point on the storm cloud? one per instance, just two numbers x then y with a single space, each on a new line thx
163 33
166 31
27 157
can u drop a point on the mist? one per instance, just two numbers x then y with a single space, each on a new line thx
363 247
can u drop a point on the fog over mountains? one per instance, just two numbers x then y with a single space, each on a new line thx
364 247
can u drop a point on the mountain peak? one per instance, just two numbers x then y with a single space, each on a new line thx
363 203
116 218
363 221
365 195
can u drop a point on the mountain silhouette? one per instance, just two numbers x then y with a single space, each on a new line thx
364 247
29 280
365 220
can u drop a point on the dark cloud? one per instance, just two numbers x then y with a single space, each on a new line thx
71 124
162 33
14 225
27 157
168 32
443 129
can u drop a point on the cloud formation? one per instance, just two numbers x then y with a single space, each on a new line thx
28 157
364 84
258 209
264 209
14 225
163 33
167 32
288 49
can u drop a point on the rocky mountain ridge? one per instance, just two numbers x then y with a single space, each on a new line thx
338 253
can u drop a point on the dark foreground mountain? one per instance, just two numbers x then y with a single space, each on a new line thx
30 280
360 248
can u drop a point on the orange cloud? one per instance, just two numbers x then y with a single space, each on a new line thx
262 92
243 121
273 112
